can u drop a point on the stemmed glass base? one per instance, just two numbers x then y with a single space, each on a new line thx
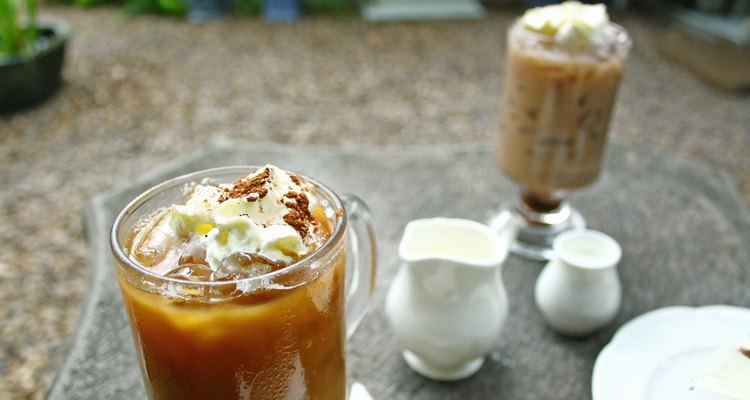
536 230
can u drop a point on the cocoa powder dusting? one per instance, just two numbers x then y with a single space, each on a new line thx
251 189
295 179
299 216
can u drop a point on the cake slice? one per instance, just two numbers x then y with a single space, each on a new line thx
728 374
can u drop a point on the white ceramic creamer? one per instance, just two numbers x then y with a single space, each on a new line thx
447 303
579 291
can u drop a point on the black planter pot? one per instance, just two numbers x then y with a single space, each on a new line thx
28 79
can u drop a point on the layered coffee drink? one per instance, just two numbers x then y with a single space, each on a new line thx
235 290
563 69
564 63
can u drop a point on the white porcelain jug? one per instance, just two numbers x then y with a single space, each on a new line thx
447 303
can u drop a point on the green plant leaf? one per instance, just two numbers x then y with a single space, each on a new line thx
12 37
173 6
31 28
248 7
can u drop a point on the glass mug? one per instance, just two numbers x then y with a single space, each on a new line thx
276 336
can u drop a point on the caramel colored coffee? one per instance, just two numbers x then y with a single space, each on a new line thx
556 109
271 344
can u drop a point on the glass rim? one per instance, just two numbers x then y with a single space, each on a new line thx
621 38
121 255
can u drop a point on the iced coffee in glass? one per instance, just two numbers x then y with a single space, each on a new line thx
235 283
564 64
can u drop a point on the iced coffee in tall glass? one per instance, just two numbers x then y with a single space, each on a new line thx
234 283
564 64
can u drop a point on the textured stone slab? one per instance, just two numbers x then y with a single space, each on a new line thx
683 227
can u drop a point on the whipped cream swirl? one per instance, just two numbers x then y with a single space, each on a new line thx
569 21
266 213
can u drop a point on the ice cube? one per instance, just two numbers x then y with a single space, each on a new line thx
193 253
191 272
154 245
242 264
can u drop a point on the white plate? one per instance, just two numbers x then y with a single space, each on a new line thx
658 354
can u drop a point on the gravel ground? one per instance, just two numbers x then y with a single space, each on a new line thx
142 91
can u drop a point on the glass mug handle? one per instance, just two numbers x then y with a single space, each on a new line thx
360 261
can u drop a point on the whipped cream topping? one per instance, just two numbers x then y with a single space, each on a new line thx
266 213
568 21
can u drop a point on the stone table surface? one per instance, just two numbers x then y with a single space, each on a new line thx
140 92
683 229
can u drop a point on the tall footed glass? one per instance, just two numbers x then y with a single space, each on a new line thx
556 108
278 335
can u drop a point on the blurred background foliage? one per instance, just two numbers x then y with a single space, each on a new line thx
241 7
